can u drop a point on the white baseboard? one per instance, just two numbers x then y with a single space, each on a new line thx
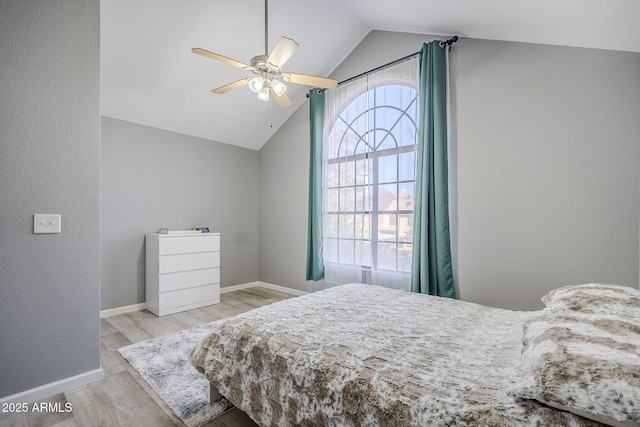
227 289
121 310
282 289
241 286
48 390
137 307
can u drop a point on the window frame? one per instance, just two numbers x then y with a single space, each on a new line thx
373 155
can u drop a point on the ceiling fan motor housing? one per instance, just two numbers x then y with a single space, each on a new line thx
262 66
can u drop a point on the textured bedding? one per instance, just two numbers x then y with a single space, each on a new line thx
362 355
582 353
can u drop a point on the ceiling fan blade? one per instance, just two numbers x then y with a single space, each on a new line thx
283 51
283 100
217 57
304 79
226 88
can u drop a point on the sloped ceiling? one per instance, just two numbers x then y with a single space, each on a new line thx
149 75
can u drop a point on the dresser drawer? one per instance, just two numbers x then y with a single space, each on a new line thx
188 279
200 296
189 244
184 262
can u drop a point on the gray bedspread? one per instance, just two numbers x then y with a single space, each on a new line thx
362 355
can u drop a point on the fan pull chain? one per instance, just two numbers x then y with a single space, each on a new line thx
271 112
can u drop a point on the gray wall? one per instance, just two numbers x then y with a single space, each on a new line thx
548 169
546 161
284 189
49 163
153 178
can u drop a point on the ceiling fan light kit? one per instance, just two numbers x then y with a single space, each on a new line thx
278 87
268 69
263 94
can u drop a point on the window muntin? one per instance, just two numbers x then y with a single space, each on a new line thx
370 180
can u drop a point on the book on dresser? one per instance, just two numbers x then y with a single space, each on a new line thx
182 271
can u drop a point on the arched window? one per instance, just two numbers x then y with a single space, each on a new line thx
369 182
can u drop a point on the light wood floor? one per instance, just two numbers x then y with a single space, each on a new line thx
123 398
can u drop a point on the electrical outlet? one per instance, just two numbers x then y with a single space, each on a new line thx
47 223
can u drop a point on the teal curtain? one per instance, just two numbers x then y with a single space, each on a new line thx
315 264
432 271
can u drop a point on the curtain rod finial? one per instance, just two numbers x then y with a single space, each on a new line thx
449 42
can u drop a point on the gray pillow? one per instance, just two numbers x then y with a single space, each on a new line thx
583 362
595 298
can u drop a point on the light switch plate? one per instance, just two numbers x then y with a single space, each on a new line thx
47 223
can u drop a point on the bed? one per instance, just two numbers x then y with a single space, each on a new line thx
362 355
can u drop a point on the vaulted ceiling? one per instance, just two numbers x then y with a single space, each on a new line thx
150 76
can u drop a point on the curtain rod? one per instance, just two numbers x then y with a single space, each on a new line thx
381 67
448 42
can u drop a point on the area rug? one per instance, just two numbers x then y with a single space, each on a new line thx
164 363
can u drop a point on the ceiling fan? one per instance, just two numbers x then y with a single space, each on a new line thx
267 68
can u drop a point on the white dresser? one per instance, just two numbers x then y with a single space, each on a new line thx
182 271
